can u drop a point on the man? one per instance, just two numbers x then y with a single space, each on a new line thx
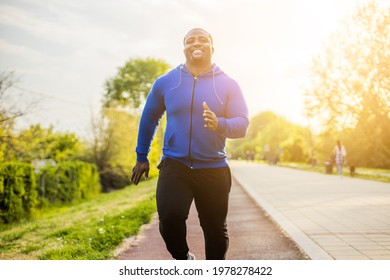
204 106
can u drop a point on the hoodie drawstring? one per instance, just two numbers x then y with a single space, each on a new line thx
181 69
215 91
214 88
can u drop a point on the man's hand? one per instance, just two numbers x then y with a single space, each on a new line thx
138 170
210 119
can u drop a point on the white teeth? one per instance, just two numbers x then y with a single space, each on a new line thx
197 52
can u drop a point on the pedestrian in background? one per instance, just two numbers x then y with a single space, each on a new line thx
339 156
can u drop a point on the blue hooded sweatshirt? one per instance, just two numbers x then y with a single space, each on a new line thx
181 96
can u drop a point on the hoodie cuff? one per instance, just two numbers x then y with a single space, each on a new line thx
142 157
221 125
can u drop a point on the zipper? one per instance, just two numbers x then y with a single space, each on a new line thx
192 110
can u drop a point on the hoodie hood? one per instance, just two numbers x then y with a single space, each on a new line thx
212 73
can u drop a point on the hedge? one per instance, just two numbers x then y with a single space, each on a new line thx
18 194
68 181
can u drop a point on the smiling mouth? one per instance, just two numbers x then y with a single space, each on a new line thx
197 53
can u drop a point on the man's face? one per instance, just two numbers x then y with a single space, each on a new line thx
198 48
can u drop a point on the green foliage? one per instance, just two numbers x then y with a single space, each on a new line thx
133 82
271 136
43 143
18 195
294 151
68 181
37 143
350 85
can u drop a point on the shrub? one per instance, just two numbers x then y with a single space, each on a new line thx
68 181
114 178
18 194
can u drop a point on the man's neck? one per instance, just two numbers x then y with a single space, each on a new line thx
197 70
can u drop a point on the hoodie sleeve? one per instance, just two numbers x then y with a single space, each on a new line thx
235 122
151 115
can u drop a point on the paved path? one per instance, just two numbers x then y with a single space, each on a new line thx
327 216
253 236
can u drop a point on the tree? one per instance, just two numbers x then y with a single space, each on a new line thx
6 137
37 143
271 136
8 113
112 147
11 108
350 85
113 143
132 83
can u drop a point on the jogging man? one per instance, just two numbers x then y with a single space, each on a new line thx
203 107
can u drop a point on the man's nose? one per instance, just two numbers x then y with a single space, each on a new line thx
197 43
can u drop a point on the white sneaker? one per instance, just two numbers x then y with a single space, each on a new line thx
190 256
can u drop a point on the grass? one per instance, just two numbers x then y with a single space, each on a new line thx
380 175
88 230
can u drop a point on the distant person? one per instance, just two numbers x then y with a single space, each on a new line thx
203 106
339 153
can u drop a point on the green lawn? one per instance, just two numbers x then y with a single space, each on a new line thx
381 175
88 230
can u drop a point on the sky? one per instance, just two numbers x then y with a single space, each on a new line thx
62 51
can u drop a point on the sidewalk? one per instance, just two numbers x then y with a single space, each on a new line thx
328 217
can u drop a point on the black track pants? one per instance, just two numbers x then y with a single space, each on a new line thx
177 187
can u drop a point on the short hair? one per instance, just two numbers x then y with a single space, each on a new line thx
198 28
